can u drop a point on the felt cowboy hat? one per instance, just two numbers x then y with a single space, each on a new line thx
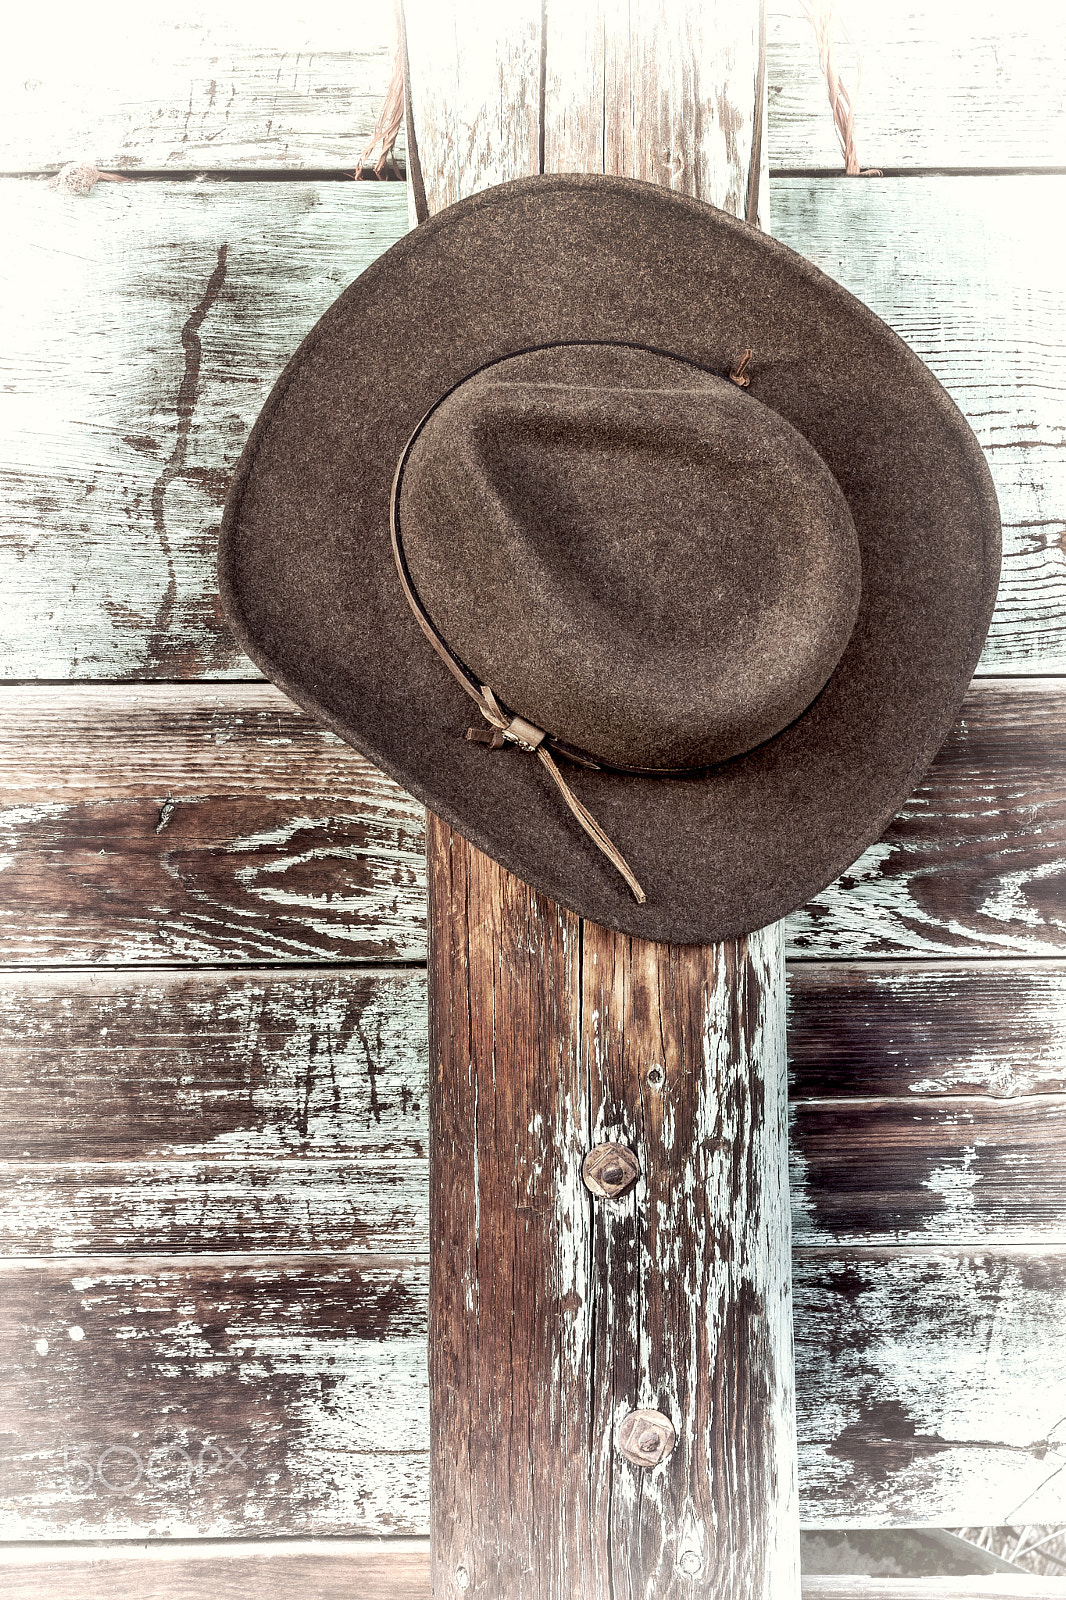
696 543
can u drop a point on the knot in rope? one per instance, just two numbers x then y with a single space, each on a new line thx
527 736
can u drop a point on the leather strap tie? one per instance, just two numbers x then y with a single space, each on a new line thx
502 729
527 736
739 374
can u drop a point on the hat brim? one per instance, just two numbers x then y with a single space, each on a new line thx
309 583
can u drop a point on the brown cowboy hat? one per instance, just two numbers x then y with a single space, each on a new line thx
701 548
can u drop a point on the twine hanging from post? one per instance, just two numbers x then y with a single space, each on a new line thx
825 20
377 154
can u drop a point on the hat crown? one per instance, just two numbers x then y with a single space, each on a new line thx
633 553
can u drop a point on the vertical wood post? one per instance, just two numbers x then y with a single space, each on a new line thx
555 1313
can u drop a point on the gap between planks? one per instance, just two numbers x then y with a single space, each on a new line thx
392 1569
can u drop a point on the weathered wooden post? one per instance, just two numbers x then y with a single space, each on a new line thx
611 1377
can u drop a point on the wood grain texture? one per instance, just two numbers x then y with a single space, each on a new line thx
146 326
1000 1588
956 1169
930 1391
388 1575
244 86
287 1110
393 1569
115 474
539 1347
511 1371
232 1397
191 1207
552 1316
967 274
162 826
958 84
923 1030
212 879
234 829
965 868
232 85
864 1173
268 1064
256 1067
667 95
100 742
475 94
685 1055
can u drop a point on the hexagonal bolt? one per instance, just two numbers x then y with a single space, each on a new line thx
609 1169
645 1437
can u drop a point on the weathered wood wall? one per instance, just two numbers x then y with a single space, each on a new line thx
212 1003
121 441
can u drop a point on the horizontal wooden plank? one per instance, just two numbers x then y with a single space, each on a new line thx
191 1111
999 1588
228 1398
172 825
240 831
218 87
186 1111
862 1173
971 865
380 1206
122 436
129 1066
903 1553
925 1029
381 1573
337 1569
113 484
958 269
233 880
193 1065
955 1170
232 1396
280 1063
101 742
958 84
963 83
880 1174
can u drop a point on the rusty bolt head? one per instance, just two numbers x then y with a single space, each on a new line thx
646 1437
608 1169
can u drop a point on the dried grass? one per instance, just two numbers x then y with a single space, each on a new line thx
1038 1547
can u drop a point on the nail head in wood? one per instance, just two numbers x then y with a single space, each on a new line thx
609 1169
646 1437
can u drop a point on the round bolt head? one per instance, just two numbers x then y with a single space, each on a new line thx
609 1169
646 1437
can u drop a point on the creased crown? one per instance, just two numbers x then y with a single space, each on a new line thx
634 554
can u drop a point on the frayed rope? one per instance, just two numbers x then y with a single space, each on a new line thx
377 157
825 20
81 177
